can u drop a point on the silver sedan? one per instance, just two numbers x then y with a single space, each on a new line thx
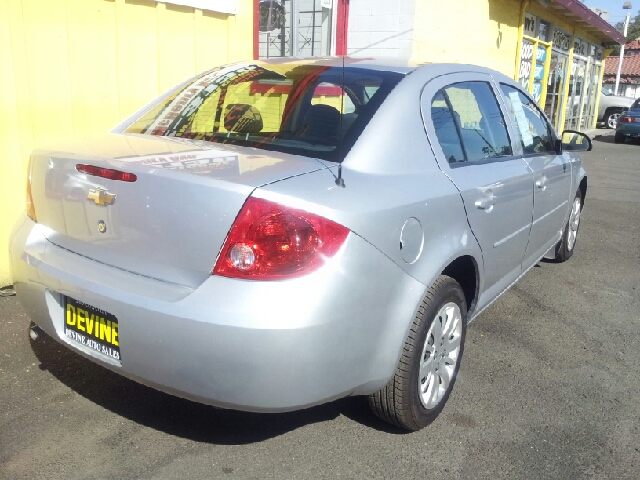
273 235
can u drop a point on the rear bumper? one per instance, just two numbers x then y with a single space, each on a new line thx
258 346
628 129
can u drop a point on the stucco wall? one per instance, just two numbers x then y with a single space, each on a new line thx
79 67
380 28
481 32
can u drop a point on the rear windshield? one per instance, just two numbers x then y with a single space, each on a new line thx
310 110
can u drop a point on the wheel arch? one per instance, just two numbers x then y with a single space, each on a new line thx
465 271
582 187
609 110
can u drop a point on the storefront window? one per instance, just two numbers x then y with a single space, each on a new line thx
535 51
526 56
565 90
555 88
557 76
544 33
295 28
539 74
592 80
583 86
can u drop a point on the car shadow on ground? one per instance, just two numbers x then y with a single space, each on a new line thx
184 418
603 139
610 139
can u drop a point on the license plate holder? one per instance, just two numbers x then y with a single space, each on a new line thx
92 328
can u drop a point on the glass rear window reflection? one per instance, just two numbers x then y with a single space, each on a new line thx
310 110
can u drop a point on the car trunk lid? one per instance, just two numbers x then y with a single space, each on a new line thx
169 223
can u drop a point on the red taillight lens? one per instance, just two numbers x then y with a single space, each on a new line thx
270 241
628 119
106 173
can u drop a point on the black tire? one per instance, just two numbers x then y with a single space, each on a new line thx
565 249
619 138
399 402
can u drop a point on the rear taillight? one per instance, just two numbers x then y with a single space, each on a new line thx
106 173
31 209
270 241
628 119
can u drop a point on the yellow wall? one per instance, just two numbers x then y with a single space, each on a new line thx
458 32
79 67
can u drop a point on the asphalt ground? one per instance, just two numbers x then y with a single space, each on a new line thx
549 387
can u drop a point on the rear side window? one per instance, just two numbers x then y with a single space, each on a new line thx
446 130
533 128
477 120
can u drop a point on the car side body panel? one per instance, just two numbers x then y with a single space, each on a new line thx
391 176
502 225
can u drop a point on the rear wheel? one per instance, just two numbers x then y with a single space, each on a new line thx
565 248
430 360
612 117
619 138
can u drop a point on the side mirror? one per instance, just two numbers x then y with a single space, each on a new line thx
573 141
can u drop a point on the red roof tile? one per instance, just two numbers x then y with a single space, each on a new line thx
632 45
630 65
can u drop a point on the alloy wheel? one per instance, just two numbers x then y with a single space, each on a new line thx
574 223
440 355
612 121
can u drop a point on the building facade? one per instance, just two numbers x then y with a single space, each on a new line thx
76 68
555 48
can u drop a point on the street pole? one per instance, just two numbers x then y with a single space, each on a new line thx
626 25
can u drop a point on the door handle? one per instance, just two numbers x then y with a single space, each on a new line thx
542 183
486 202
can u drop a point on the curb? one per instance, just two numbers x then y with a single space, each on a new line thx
598 132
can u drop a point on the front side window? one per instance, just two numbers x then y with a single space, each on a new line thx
311 110
478 120
533 128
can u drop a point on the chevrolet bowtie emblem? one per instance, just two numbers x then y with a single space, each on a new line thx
101 196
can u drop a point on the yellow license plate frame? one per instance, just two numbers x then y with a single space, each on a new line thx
91 327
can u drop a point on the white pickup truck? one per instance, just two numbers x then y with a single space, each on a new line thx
611 106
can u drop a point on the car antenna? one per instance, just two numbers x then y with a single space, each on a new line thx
340 180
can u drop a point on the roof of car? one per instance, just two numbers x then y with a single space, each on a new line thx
400 65
390 64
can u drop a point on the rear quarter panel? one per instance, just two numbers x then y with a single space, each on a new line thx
390 176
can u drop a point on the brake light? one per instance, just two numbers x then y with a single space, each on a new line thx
270 241
31 209
628 119
106 173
